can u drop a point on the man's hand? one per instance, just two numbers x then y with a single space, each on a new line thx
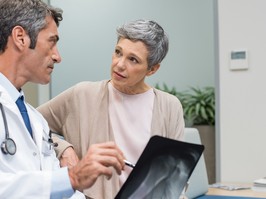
97 162
69 158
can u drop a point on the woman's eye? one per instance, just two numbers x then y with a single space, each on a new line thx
133 59
117 52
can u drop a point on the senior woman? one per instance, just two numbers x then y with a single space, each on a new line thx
124 109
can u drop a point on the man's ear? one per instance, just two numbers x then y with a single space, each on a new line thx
20 37
153 70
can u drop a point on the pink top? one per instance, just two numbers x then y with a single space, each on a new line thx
130 116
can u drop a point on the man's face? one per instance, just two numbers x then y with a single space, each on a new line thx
39 62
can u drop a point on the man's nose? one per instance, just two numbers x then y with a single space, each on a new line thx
56 56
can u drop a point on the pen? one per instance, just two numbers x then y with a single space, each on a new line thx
129 164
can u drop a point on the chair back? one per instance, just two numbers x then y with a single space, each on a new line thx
198 181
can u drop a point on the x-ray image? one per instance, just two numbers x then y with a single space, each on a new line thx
162 170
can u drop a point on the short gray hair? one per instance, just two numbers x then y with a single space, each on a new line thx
151 34
29 14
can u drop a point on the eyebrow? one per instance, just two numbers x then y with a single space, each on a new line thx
131 53
136 57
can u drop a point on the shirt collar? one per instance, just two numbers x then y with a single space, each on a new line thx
10 88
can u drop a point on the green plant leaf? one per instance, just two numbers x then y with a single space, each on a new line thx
198 103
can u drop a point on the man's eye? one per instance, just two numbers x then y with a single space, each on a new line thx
53 42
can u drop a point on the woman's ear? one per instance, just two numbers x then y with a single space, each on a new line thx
20 37
153 70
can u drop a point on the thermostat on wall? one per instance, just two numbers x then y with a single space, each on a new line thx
239 60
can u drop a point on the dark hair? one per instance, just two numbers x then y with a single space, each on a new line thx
151 34
29 14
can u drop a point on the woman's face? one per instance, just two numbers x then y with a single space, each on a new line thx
130 67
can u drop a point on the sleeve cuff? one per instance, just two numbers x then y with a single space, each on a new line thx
62 146
61 186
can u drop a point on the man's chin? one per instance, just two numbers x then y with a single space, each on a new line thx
43 82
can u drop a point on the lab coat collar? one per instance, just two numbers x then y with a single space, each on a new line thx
10 88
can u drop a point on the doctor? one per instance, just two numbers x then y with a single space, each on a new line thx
28 165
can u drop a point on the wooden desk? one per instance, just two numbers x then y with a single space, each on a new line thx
243 193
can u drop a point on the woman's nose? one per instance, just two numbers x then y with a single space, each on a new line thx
121 63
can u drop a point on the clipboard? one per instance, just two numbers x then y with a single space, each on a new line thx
162 171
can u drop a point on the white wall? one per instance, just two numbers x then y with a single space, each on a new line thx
242 95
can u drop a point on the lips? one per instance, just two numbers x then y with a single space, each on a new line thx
51 66
118 74
50 69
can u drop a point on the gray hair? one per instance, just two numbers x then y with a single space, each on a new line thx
29 14
151 34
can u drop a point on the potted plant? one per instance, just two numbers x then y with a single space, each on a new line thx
199 112
198 104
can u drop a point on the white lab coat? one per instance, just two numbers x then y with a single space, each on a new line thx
26 174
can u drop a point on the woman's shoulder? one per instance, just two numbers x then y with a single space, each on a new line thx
90 86
164 97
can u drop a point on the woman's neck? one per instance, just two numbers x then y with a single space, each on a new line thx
132 90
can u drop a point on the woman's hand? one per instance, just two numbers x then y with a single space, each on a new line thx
69 158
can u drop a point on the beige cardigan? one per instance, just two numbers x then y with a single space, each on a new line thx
80 114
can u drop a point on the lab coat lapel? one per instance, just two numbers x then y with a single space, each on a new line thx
7 102
38 128
10 105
